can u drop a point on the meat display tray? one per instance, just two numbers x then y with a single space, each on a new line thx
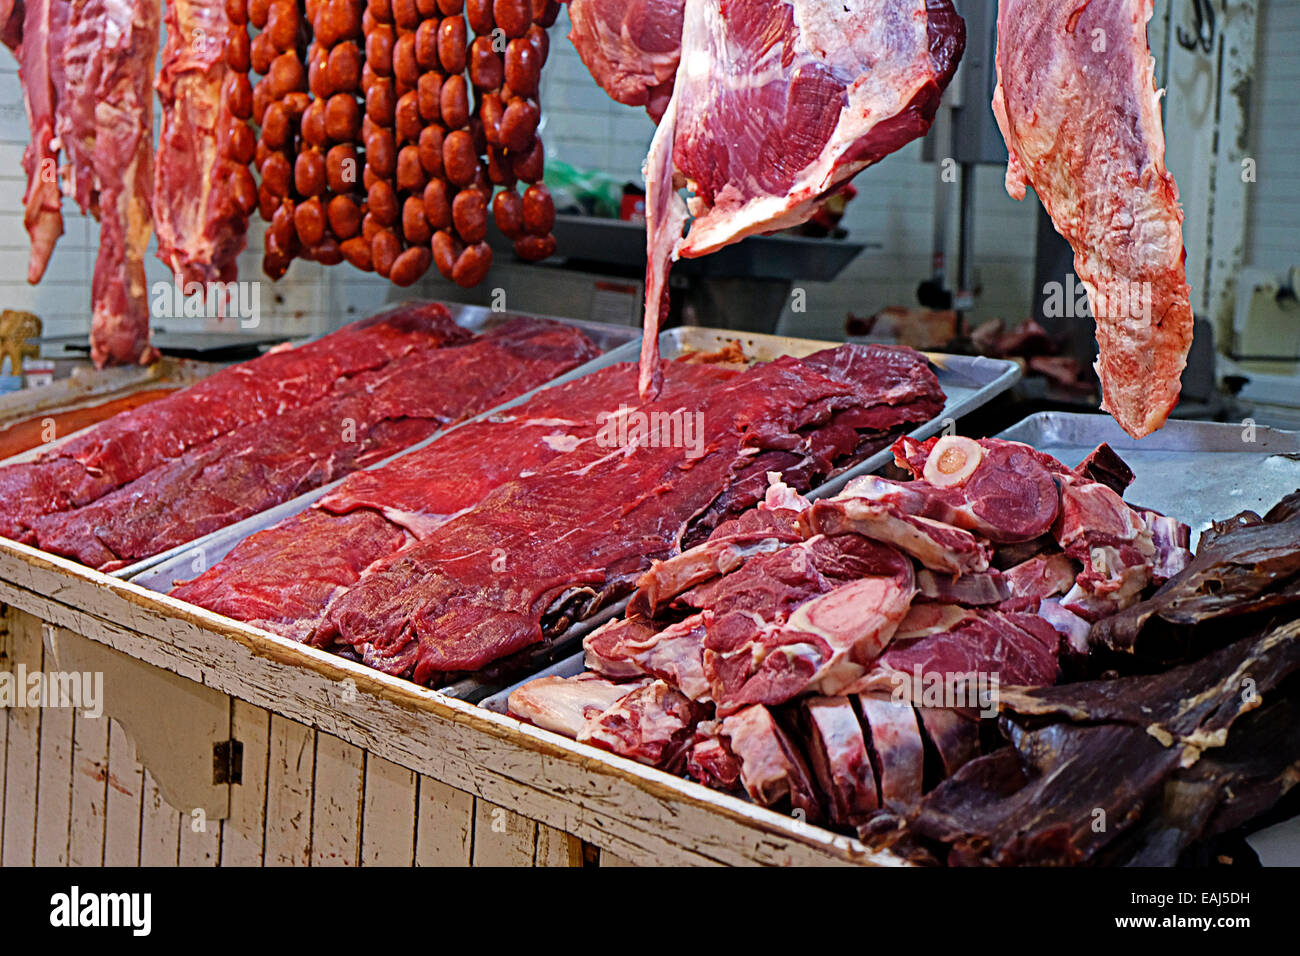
1196 472
968 382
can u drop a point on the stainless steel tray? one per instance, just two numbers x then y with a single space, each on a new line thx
1196 472
1193 471
968 383
473 317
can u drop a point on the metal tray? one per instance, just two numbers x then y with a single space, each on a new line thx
1196 472
968 383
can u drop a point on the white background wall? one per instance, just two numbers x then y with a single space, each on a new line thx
585 128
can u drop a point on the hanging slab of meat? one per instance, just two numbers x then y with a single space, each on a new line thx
105 123
44 26
272 579
131 444
632 49
269 462
776 105
199 233
1077 104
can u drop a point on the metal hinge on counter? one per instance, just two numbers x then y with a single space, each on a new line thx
227 762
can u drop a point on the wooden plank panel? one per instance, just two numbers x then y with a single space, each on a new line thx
243 832
26 657
123 839
388 818
288 793
556 848
89 790
160 827
5 667
444 833
502 838
336 805
200 840
55 787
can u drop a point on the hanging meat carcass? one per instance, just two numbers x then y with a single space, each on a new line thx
776 105
1077 104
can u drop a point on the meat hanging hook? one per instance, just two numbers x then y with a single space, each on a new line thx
1203 35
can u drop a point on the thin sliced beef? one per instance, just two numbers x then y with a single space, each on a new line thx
1077 104
418 492
267 463
134 443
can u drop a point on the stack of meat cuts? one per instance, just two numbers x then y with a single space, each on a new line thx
257 434
430 566
833 657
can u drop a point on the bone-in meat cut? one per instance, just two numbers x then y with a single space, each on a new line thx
1077 104
776 105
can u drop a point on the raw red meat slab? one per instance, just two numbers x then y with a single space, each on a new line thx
776 106
104 121
132 444
630 48
424 489
40 67
418 492
201 228
478 588
266 463
1077 104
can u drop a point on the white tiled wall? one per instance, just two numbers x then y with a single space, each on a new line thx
587 129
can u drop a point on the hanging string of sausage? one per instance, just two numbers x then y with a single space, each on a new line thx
384 128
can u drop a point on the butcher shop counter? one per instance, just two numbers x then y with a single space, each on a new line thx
214 742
